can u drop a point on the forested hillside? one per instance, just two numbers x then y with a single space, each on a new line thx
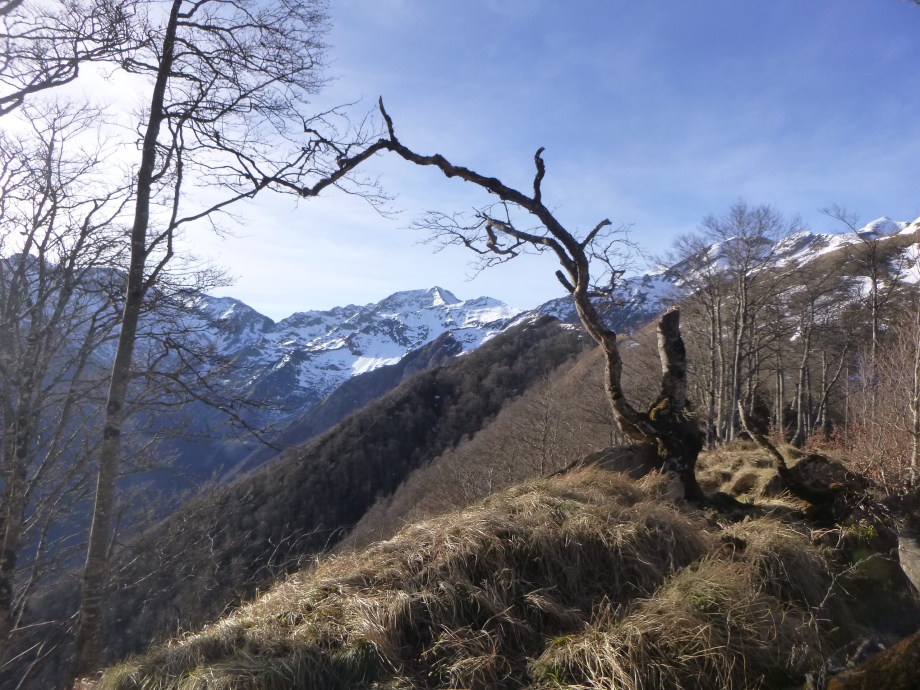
217 550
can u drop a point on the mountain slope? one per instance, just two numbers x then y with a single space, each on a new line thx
643 297
353 394
582 580
301 359
219 548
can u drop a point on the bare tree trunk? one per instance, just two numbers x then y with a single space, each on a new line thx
720 353
711 431
88 655
874 302
815 495
801 431
679 439
735 393
781 403
808 403
667 424
753 382
827 385
14 506
915 409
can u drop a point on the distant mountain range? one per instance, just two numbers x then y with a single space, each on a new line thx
301 362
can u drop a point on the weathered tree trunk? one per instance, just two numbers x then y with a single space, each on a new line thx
667 425
678 432
88 655
816 496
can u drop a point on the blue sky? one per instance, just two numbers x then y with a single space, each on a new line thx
652 113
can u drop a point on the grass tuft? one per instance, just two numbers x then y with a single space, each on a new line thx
709 627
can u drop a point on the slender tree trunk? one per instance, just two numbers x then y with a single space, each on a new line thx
88 656
720 352
915 410
808 404
14 508
798 440
753 382
740 324
780 403
875 319
711 412
23 432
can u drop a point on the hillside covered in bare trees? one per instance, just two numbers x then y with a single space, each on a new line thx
676 446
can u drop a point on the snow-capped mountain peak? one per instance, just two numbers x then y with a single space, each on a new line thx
300 359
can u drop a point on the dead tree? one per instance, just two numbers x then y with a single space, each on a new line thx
668 424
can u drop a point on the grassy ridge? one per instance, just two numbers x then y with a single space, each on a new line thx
585 579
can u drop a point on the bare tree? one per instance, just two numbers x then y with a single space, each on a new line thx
704 285
229 89
814 295
668 423
878 262
57 238
746 240
45 45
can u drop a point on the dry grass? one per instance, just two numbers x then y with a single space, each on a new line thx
743 470
710 626
585 579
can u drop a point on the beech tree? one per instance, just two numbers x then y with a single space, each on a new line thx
62 252
746 240
227 117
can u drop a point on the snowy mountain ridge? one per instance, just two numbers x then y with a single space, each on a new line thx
297 362
300 359
645 296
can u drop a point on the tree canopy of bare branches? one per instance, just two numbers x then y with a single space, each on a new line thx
228 117
45 46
